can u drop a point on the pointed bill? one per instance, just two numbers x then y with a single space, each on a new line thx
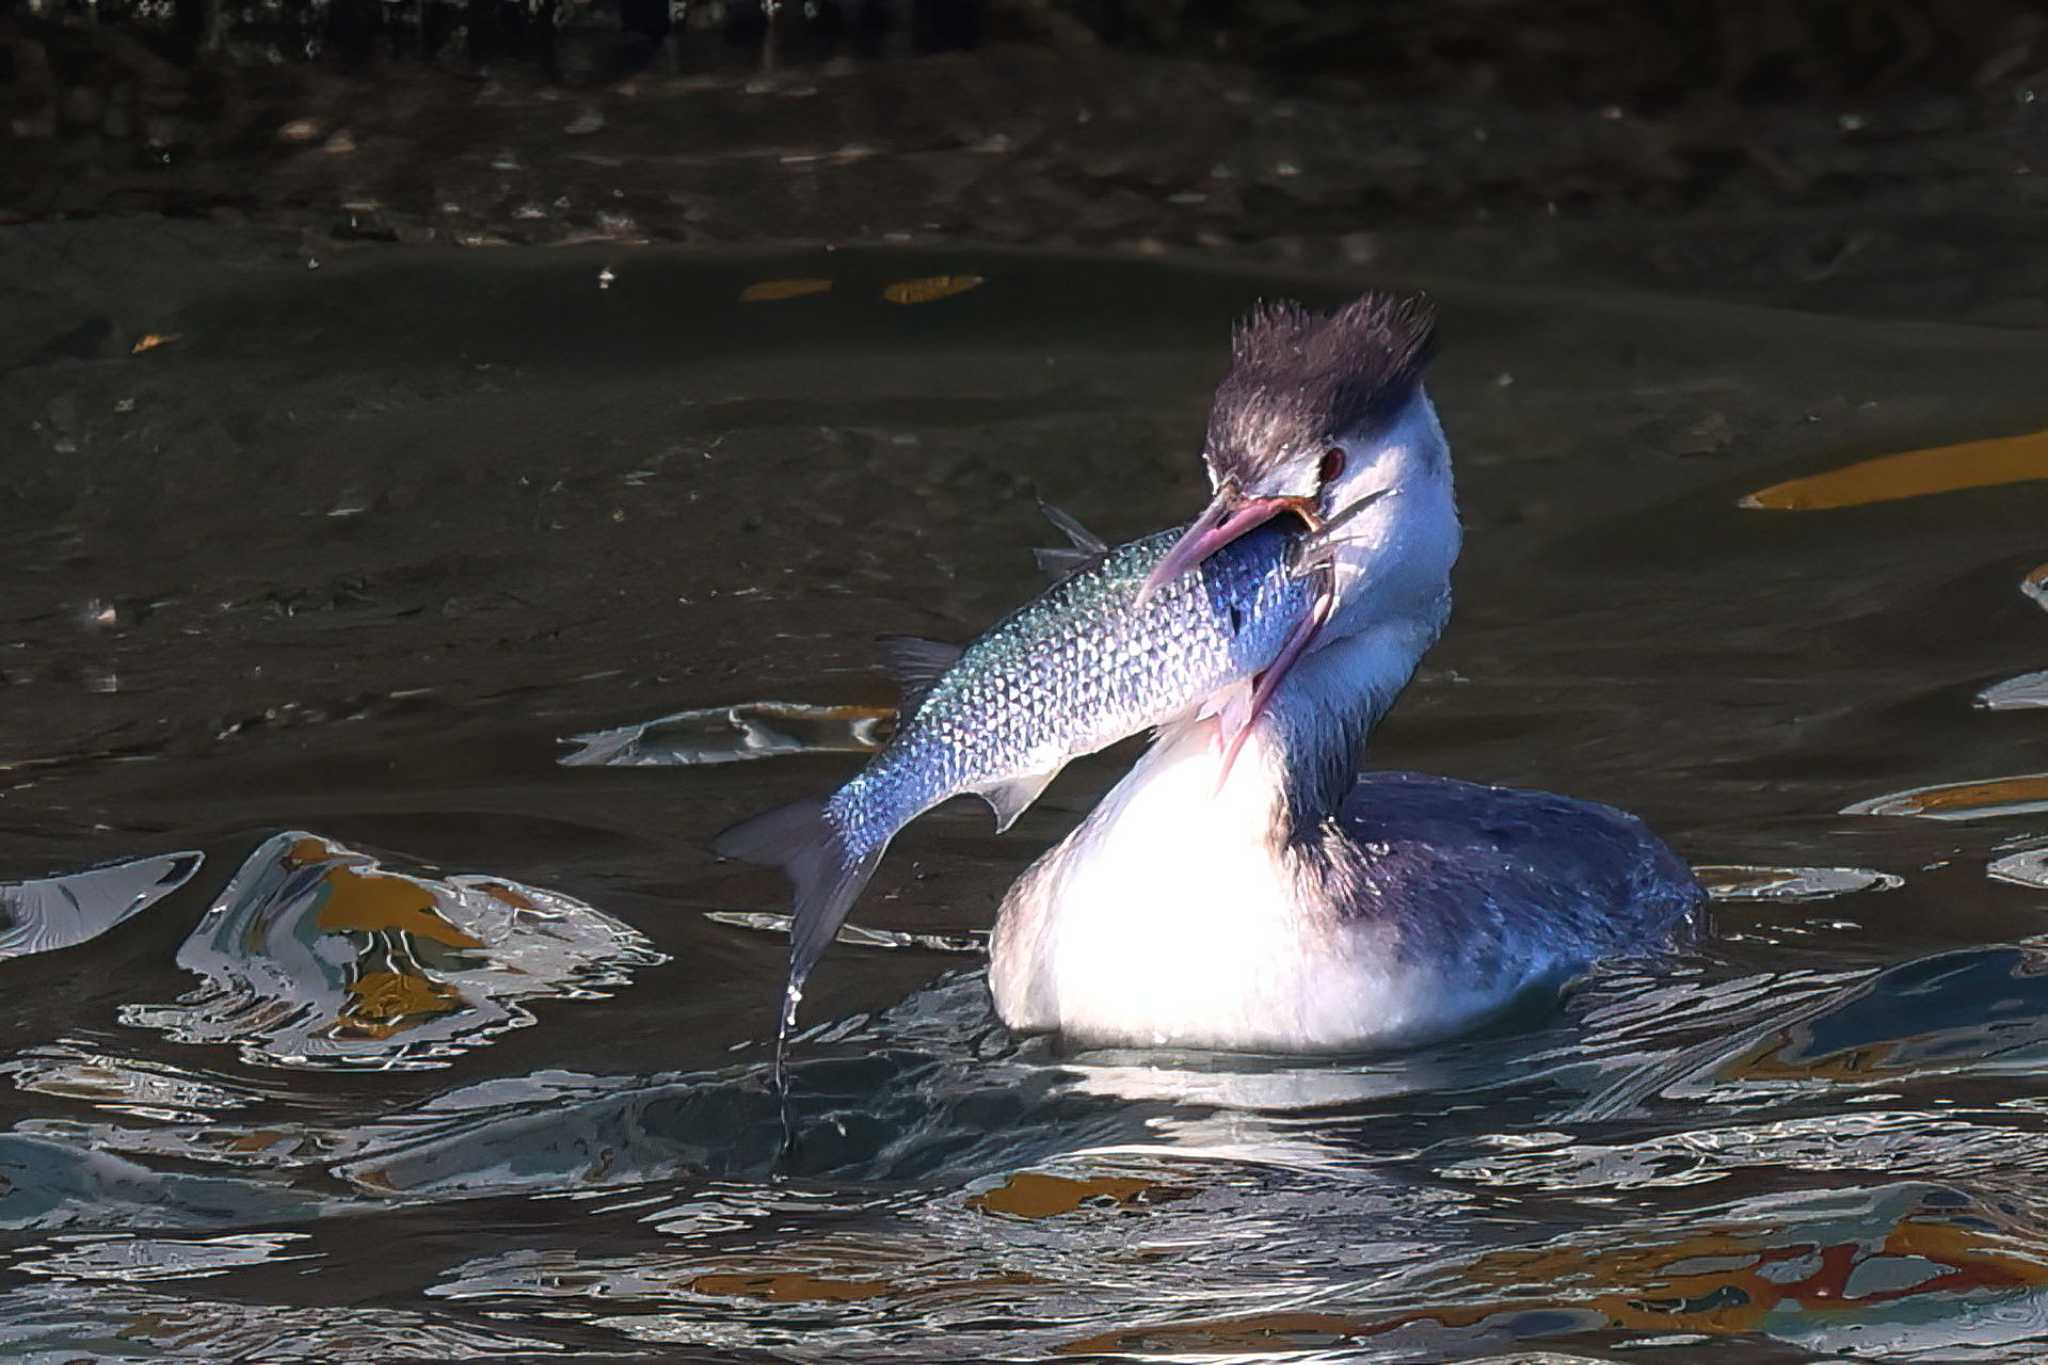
1231 515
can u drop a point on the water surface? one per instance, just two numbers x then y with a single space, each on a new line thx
339 1015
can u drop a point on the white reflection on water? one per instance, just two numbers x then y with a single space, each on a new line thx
133 1260
734 734
1732 882
2016 694
856 936
61 912
146 1089
2028 868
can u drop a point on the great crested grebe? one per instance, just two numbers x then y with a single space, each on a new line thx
1273 898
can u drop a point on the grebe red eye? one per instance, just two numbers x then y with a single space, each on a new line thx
1332 465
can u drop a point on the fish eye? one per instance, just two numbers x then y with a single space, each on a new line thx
1332 465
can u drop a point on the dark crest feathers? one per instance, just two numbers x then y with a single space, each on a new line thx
1299 378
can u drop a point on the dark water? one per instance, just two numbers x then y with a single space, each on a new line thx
383 1033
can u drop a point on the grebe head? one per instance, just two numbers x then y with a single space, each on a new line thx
1325 416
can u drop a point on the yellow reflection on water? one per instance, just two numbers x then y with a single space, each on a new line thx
1912 474
930 288
771 291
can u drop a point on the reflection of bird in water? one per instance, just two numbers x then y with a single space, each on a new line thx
1284 901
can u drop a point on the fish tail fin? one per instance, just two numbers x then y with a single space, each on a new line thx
827 871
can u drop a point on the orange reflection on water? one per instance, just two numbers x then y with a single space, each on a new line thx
382 1004
367 900
397 993
1657 1288
1033 1194
930 288
1912 474
773 291
1962 800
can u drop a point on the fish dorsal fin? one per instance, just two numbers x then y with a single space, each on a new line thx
1059 561
917 663
1079 536
1012 797
1084 549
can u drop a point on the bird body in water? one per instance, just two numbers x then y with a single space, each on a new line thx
1244 887
1283 902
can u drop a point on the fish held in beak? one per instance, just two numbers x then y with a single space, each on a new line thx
1314 557
1229 516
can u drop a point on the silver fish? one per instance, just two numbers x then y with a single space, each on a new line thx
1075 670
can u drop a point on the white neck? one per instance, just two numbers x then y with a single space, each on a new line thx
1392 573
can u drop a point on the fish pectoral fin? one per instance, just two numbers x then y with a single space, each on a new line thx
916 663
1084 549
1235 715
1220 701
1010 799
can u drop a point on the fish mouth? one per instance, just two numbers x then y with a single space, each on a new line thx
1228 517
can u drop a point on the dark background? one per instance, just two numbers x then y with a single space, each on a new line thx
1872 156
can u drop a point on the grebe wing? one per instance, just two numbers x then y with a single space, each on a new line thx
1464 867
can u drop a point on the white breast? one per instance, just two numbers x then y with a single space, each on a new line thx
1173 918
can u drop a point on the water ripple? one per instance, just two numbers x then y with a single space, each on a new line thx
1979 1011
50 1322
145 1089
317 956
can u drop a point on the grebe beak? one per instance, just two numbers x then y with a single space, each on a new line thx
1229 516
